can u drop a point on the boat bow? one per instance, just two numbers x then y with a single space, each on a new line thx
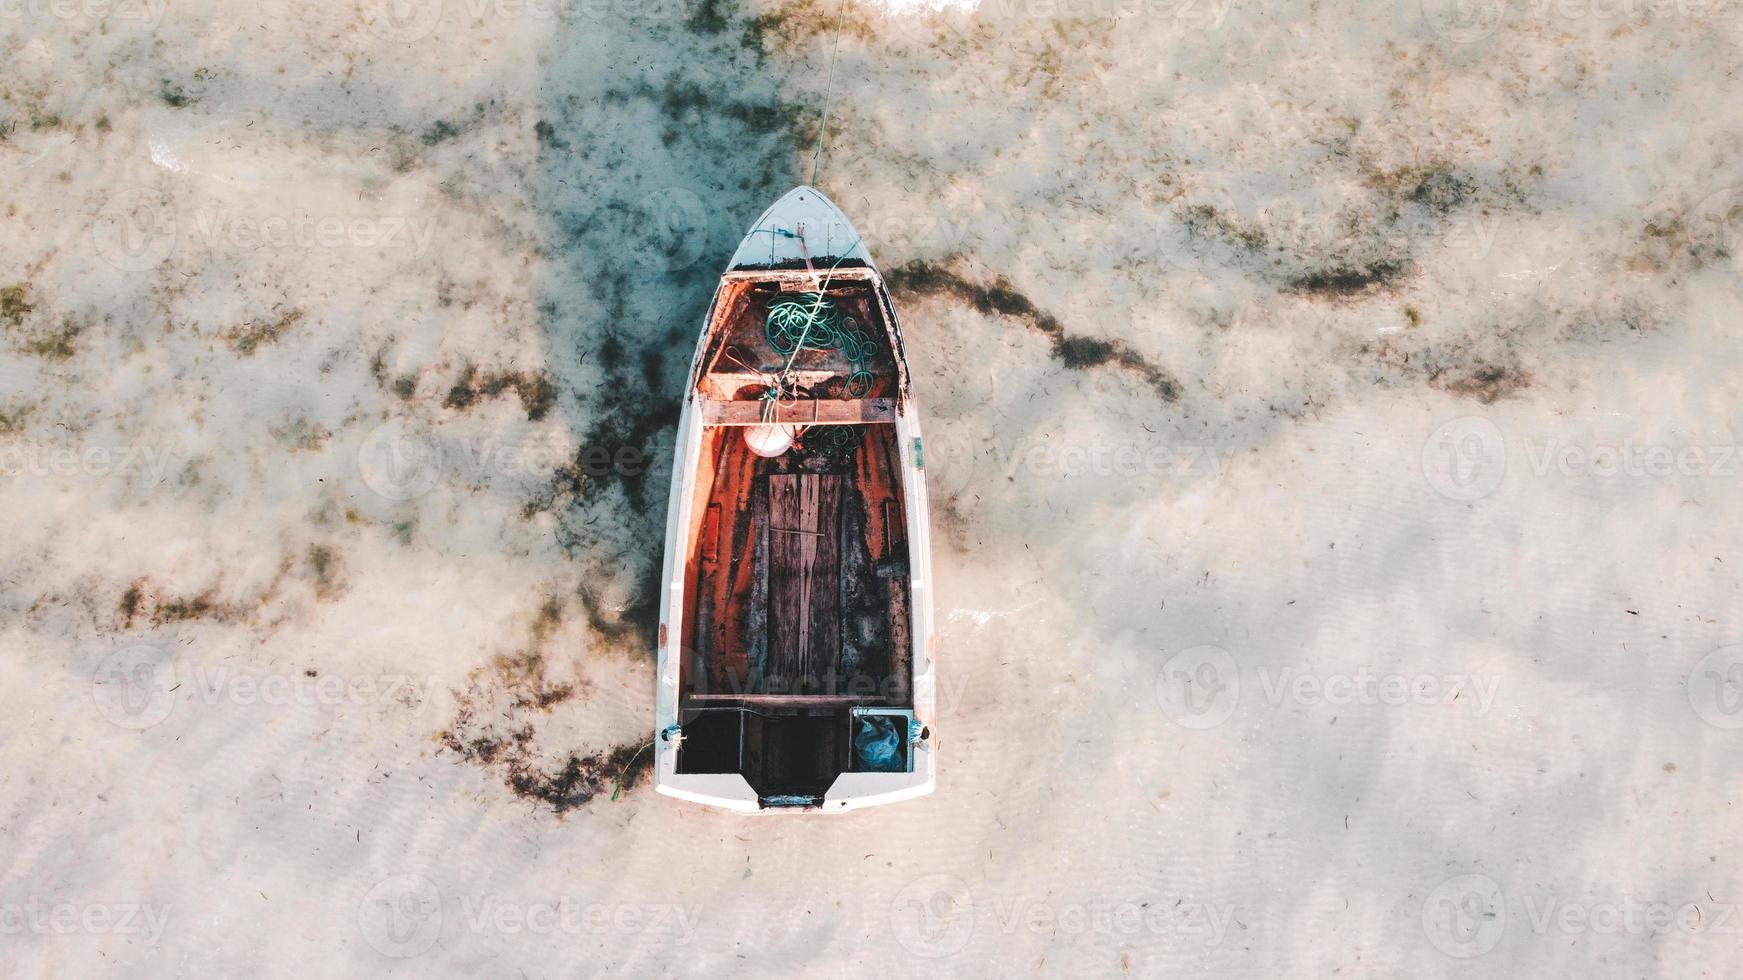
803 224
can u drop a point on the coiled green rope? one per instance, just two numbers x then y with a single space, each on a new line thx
809 321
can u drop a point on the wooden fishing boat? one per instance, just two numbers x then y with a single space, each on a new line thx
796 636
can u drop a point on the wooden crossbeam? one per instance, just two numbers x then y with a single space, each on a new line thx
810 411
790 700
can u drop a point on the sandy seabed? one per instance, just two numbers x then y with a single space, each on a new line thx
1332 430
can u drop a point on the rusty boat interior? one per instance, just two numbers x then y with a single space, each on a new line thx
791 562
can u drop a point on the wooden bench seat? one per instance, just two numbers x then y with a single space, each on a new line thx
787 700
825 411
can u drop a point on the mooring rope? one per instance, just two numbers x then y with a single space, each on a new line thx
859 382
811 321
828 92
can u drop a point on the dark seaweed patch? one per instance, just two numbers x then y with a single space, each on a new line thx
13 307
633 424
1484 382
549 618
253 335
130 601
1074 351
681 101
324 564
522 677
638 617
1443 191
547 136
536 392
631 413
495 728
440 132
1340 281
1081 353
574 783
1205 221
175 96
175 609
57 345
12 419
707 18
185 608
1453 368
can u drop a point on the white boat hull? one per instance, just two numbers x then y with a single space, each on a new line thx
792 224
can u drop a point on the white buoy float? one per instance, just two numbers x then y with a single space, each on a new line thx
769 441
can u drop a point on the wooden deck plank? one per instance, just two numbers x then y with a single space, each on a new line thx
720 634
729 624
804 622
823 648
